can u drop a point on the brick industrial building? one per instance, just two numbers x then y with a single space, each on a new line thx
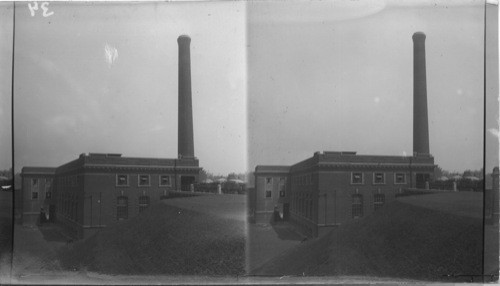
96 189
331 188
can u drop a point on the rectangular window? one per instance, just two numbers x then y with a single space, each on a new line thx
378 201
76 212
164 180
357 178
122 208
143 203
122 180
34 189
310 208
302 205
357 206
306 207
48 190
399 178
143 180
269 187
282 187
378 178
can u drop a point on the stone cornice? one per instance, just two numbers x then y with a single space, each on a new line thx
105 167
375 166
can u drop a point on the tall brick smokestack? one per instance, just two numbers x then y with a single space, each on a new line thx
185 128
420 121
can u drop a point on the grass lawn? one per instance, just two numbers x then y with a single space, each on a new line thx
167 239
469 204
400 240
223 206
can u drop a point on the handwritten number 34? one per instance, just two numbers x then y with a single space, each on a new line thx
44 7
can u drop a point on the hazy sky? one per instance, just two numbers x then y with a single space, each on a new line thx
273 81
5 85
103 78
339 76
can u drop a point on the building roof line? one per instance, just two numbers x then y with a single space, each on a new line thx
141 166
374 164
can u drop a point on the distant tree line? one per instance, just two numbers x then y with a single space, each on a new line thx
206 175
469 180
439 172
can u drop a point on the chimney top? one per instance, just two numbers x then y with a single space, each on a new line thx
418 35
184 38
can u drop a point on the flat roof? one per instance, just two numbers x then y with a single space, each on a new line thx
111 160
38 170
349 158
272 169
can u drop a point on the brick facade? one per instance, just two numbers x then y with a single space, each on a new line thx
96 190
37 192
331 188
271 191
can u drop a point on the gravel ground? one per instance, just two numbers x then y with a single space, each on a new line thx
202 235
32 253
265 241
5 236
401 241
34 256
491 250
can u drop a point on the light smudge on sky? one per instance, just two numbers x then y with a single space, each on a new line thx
111 54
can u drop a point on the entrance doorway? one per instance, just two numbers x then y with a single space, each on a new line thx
286 211
186 182
52 213
421 179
